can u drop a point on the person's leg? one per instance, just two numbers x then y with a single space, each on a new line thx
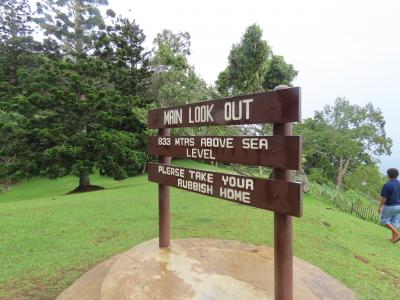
387 216
395 233
396 221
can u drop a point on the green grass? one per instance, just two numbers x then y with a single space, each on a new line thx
48 239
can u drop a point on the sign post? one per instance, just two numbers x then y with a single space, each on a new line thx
283 256
163 200
282 151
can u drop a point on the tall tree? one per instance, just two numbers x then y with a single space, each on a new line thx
343 136
174 80
278 72
78 109
16 42
252 66
121 47
75 24
65 133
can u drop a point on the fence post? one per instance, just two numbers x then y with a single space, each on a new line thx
163 200
283 253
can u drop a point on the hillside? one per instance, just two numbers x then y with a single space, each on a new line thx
50 239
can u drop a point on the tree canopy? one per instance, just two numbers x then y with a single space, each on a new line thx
342 137
253 67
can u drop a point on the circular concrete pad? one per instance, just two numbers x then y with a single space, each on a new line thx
205 269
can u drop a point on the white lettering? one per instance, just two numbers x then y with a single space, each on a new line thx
199 153
238 182
173 117
236 195
168 170
201 176
195 186
255 143
201 114
183 141
237 112
216 142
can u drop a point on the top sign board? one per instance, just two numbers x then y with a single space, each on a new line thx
280 106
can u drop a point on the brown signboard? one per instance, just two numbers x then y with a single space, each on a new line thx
269 107
272 151
275 195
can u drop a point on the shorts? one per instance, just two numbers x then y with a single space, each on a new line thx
391 215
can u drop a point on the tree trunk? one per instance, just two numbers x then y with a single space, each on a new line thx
84 179
344 164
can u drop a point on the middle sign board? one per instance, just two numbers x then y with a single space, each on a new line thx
272 151
276 195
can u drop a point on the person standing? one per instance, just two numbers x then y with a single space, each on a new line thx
389 207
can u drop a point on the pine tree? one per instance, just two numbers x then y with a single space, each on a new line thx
79 109
252 66
16 42
74 24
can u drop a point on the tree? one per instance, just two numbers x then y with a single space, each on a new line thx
18 55
342 137
174 80
16 42
65 133
79 111
278 73
252 66
366 179
74 24
121 47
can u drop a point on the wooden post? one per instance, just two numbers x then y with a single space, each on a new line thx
163 200
283 257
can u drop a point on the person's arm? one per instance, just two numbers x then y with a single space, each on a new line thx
384 195
381 204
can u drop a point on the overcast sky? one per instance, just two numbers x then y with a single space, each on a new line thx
340 48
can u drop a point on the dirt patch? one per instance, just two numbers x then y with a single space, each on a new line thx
86 188
26 289
362 259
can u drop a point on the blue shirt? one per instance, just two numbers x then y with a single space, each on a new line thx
391 191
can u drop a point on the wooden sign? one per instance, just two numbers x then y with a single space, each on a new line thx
279 196
269 107
272 151
281 151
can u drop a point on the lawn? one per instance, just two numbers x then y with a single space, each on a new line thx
49 239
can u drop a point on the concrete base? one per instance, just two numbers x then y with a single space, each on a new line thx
199 269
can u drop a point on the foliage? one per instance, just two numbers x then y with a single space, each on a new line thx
75 121
74 24
278 73
16 42
247 65
252 67
174 80
74 107
318 175
121 47
366 179
342 137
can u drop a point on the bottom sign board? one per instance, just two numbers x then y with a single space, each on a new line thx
275 195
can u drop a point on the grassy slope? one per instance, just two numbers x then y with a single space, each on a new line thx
49 240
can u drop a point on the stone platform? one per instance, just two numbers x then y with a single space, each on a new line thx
199 269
